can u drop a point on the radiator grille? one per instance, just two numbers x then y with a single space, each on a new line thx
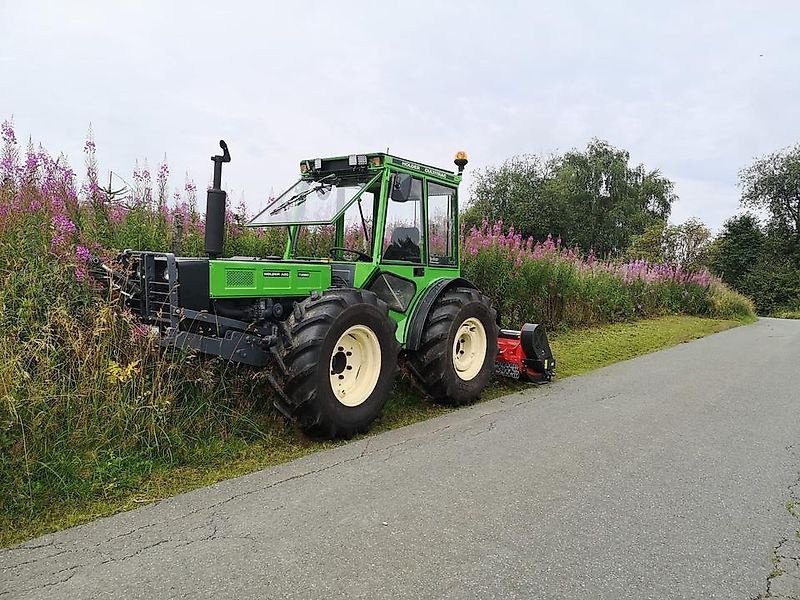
239 278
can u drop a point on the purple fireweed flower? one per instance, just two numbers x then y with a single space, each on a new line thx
161 182
117 214
7 133
9 157
82 253
62 224
147 186
63 230
181 211
31 163
241 210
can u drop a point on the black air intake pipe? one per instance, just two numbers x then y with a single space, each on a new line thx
215 206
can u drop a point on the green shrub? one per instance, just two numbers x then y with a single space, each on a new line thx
728 304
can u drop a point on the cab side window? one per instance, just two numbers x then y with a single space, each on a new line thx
441 237
404 225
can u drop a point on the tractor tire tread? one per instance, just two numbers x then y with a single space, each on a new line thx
431 362
298 349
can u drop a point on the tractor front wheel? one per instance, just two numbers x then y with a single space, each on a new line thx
456 356
338 354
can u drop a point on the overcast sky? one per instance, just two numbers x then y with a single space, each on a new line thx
695 89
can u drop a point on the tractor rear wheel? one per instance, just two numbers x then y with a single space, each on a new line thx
456 356
338 357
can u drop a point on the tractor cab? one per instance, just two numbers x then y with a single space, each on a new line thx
340 206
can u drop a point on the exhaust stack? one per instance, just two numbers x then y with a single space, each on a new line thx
215 207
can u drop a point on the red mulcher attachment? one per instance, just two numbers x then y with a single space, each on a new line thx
525 354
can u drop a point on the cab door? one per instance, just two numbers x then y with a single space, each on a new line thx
441 214
402 262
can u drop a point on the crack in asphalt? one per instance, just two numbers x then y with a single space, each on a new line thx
490 427
783 582
37 559
137 553
49 583
73 569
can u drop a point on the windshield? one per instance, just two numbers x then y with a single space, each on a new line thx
310 201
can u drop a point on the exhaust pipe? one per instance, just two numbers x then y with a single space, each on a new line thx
215 207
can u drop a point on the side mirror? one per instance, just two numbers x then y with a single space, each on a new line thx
401 187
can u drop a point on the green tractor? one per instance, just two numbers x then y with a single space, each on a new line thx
369 279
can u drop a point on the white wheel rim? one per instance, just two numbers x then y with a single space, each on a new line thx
469 349
355 365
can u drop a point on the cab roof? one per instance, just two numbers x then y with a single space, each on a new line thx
354 163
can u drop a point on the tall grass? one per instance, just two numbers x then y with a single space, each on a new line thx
88 403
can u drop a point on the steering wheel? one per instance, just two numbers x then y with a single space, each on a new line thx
361 255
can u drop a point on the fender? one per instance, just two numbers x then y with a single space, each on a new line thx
414 335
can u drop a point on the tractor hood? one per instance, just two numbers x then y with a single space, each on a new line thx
232 278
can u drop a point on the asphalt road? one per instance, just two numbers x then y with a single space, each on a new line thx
662 477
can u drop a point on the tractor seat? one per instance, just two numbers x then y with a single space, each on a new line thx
404 245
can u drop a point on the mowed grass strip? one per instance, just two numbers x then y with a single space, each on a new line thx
581 351
576 352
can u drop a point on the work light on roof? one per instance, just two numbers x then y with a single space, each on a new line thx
357 160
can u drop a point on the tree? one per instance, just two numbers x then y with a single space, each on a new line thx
773 283
516 193
609 201
648 245
739 250
685 245
591 198
688 244
772 184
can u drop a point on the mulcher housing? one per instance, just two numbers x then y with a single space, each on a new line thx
253 310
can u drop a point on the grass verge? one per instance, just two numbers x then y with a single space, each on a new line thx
787 314
576 351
